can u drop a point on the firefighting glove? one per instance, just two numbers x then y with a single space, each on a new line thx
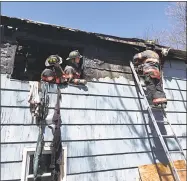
82 81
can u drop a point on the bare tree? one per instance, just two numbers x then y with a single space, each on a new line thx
174 37
151 34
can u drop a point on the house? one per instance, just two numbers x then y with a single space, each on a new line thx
106 132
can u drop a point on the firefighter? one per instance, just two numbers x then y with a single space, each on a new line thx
73 70
53 72
148 63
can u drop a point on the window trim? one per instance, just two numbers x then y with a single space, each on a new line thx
27 151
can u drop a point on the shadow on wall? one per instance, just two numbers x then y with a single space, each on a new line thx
177 87
151 135
157 147
154 142
62 86
184 99
135 130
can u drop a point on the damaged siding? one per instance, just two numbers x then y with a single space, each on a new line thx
8 51
105 127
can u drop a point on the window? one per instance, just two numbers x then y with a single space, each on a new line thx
27 164
31 55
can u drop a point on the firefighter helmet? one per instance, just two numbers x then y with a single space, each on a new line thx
53 59
74 54
47 75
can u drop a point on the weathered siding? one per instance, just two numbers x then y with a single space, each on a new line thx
105 127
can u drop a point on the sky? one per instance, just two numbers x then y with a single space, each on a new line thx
123 19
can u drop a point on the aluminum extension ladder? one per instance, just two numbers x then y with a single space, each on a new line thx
161 137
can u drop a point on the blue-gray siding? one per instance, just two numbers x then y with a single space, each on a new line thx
105 128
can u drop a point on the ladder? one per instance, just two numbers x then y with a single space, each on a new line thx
161 137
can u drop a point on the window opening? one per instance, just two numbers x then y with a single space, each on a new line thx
45 170
31 55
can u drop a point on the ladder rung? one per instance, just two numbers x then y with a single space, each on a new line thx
153 107
175 152
165 174
181 170
178 170
168 136
162 121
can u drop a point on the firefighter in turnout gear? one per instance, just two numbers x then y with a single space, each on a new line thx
53 72
148 62
73 70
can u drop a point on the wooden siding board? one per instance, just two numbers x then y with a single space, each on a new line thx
88 164
10 171
23 116
178 65
13 98
176 95
92 148
119 175
110 90
29 133
169 82
172 83
170 73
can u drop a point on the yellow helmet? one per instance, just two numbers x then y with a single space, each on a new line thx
52 59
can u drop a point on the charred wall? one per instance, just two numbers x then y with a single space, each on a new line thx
101 58
8 50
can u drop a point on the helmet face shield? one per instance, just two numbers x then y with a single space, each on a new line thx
52 60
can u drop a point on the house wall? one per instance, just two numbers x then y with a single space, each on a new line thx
105 128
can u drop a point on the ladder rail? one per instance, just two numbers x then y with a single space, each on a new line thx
179 144
171 127
174 171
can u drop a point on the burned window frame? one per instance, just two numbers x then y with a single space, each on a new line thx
22 74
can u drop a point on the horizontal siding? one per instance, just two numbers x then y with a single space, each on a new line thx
122 91
120 174
114 175
20 99
170 82
71 133
77 149
104 127
21 116
90 164
175 73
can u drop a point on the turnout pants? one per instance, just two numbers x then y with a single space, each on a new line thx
155 90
